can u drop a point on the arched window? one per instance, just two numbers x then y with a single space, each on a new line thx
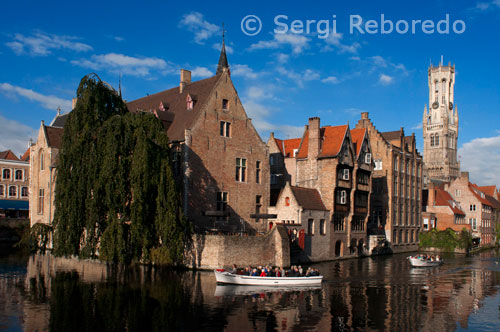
436 140
12 191
41 157
436 90
432 139
6 174
443 91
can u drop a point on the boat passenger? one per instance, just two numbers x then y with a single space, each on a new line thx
277 272
301 272
263 273
254 272
234 269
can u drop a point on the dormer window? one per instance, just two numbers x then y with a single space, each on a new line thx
368 158
189 102
225 104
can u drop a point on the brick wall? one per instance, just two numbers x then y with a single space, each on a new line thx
217 251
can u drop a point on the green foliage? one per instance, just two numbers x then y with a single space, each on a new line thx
447 239
115 193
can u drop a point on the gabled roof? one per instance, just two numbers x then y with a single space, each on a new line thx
181 117
357 136
26 155
391 135
287 146
8 155
488 190
475 190
54 136
331 138
308 198
493 202
443 198
59 120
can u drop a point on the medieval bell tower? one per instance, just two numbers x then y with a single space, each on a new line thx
440 125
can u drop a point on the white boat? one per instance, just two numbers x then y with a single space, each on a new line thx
420 262
225 277
238 290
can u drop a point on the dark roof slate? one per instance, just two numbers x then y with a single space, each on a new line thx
177 117
308 198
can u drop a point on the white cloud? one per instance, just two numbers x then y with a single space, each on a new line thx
282 58
124 64
385 79
42 44
334 41
243 71
15 135
201 72
417 126
297 42
299 77
261 114
48 102
483 6
353 111
481 157
218 47
201 28
331 79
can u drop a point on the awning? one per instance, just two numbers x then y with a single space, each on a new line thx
7 204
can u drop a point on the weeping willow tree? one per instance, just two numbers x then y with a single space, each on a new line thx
115 193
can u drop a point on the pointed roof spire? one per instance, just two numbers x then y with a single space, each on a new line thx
223 57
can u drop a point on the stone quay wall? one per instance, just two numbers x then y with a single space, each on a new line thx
217 251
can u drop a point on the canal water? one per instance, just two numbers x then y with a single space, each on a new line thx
44 293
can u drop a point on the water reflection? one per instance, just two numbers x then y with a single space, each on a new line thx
44 293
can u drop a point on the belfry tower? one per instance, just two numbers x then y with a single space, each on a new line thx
440 125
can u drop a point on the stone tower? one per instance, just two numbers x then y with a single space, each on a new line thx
440 125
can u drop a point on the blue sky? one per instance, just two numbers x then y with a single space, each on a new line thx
283 79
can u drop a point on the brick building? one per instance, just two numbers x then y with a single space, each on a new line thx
396 209
441 211
43 162
479 210
221 163
14 185
335 162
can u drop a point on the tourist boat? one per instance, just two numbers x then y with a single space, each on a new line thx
239 290
420 262
226 277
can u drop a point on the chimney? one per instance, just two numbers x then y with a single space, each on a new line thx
185 79
431 199
73 103
364 115
314 138
465 175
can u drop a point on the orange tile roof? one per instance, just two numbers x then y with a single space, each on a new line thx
443 198
303 150
287 146
331 137
483 200
8 155
357 138
26 155
488 190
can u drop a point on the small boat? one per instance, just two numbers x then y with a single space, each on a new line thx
225 277
421 262
238 290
